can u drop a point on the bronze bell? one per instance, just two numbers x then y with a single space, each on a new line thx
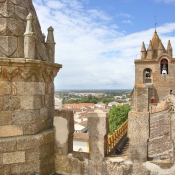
164 67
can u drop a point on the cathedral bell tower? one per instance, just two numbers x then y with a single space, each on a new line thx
154 74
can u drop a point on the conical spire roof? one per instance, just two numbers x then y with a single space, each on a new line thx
13 14
161 47
150 47
169 47
143 49
155 41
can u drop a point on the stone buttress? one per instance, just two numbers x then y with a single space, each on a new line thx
27 72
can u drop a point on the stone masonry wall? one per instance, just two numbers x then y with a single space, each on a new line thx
160 144
140 96
79 163
26 97
163 83
26 116
26 155
138 134
13 15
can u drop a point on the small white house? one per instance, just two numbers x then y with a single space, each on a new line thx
112 103
81 142
79 128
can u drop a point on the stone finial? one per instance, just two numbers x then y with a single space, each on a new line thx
169 49
29 39
150 51
143 51
161 48
29 27
50 45
50 36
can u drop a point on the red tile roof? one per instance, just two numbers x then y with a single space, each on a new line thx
78 106
81 136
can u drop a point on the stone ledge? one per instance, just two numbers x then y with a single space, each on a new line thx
8 61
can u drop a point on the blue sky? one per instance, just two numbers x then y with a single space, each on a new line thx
97 41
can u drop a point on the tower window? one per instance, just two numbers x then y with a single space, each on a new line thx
147 75
164 66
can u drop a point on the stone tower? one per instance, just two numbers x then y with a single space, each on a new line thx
151 123
27 72
154 74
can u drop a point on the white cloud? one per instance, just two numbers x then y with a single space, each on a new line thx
166 1
93 53
127 21
124 15
96 14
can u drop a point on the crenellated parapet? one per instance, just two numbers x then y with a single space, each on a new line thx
81 163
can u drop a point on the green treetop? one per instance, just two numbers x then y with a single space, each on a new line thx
117 116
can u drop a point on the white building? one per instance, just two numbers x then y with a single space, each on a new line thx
58 103
79 128
113 103
81 142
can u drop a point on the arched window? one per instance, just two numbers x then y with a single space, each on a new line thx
147 75
164 66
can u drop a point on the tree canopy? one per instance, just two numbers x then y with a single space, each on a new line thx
117 116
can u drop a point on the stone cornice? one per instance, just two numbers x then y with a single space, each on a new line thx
150 61
146 61
28 70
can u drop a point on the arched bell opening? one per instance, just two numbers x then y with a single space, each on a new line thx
147 75
164 66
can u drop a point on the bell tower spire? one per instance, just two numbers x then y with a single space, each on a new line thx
161 48
169 49
143 51
150 51
155 72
